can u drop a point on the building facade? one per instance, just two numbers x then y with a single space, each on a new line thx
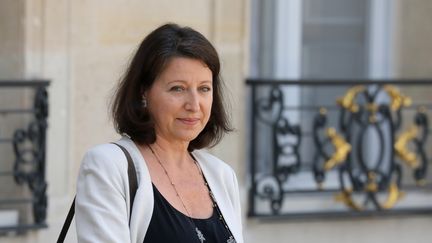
83 47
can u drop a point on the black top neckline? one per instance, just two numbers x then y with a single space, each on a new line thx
169 225
178 211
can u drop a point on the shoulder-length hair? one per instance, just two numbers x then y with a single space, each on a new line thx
154 52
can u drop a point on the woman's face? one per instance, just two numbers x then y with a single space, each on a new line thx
180 99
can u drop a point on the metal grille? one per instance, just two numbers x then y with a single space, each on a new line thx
23 125
360 148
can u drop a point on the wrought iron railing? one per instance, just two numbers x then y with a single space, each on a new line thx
23 125
339 148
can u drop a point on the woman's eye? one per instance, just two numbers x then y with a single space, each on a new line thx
206 89
177 89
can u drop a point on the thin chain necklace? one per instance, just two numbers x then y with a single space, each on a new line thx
197 231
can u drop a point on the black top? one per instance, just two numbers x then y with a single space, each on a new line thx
170 225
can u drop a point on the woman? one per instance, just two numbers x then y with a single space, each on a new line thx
168 106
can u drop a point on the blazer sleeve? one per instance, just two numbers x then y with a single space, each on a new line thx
101 205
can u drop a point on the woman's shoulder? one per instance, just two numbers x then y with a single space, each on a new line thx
104 156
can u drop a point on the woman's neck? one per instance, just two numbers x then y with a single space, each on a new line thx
170 153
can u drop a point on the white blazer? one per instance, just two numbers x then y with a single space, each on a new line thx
102 201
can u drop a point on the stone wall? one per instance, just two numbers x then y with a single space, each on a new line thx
413 38
83 47
12 38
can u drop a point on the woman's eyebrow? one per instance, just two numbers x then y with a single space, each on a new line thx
184 81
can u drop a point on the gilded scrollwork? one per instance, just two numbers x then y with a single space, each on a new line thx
341 149
401 147
394 195
398 100
348 100
372 178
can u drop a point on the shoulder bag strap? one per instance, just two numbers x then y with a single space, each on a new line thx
67 223
133 186
133 182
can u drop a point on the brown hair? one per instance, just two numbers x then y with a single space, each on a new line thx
154 52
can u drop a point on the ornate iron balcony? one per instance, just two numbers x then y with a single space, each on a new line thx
23 125
339 148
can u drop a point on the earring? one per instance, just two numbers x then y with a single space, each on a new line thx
144 102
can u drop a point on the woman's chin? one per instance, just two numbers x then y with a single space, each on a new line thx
186 137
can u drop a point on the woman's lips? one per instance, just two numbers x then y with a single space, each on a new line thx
189 121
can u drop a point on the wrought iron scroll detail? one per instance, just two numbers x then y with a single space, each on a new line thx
421 121
270 111
29 148
365 183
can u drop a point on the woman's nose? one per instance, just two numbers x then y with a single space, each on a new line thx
192 102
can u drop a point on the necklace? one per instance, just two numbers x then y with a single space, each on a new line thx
197 231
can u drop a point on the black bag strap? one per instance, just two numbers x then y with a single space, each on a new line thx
133 182
67 223
133 186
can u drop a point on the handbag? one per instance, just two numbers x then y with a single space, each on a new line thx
133 185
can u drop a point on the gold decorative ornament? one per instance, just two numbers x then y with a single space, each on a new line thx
372 108
323 111
371 185
397 98
347 101
346 197
393 196
402 150
372 118
342 148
